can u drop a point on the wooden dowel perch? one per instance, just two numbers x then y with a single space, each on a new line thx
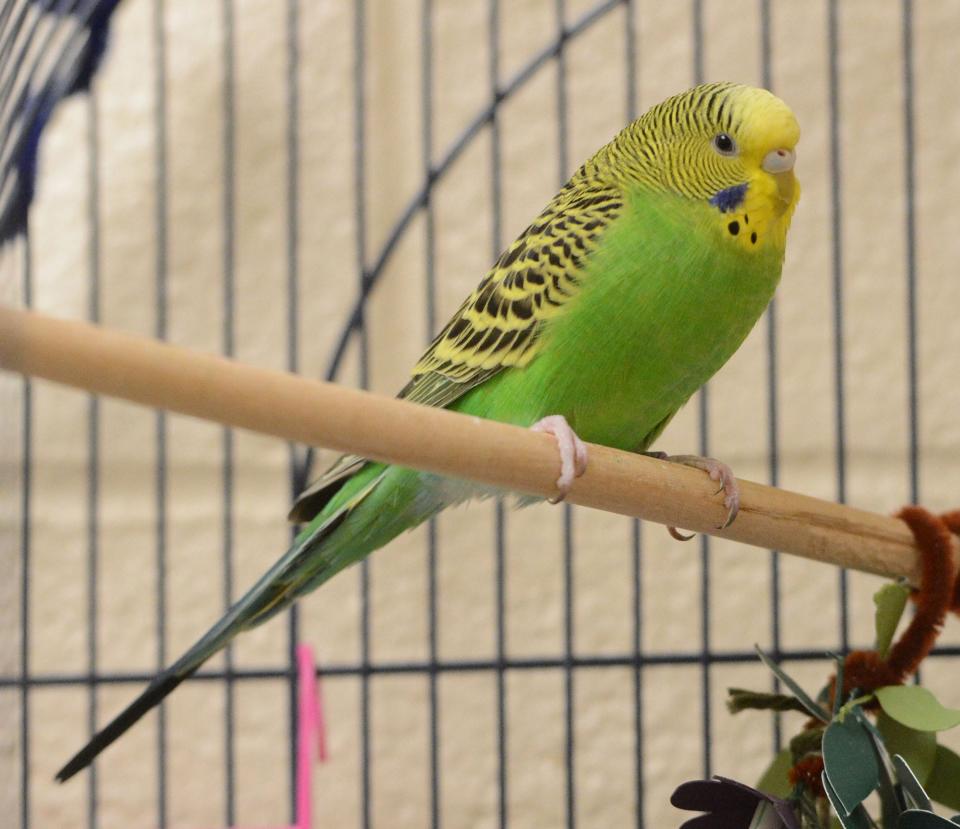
383 428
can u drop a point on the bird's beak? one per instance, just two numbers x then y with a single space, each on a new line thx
779 163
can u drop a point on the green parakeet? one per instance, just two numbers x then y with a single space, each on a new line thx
637 282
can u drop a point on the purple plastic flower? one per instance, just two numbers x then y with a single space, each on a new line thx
732 805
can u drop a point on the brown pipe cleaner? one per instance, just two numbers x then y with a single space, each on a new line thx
939 593
952 520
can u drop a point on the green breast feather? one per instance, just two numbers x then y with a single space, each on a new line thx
663 303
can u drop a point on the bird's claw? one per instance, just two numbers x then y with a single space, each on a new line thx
675 533
718 471
573 452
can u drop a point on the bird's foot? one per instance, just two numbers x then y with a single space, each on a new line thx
718 471
573 452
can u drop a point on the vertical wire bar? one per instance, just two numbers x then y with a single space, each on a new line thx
773 413
837 269
430 305
569 689
496 200
630 58
911 262
293 353
501 602
228 344
25 550
704 427
568 586
636 550
160 331
697 17
93 440
359 125
910 186
637 563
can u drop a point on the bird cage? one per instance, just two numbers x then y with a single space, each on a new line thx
314 187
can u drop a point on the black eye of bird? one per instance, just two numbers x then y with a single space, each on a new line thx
724 144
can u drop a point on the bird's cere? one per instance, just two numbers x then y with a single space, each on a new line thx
779 161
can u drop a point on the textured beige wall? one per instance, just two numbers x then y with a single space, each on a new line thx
873 246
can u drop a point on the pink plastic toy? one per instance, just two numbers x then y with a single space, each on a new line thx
311 727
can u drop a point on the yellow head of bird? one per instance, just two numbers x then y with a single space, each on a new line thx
731 145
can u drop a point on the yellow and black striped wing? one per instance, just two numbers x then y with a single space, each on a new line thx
500 323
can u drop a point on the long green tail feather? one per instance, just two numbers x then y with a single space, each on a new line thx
316 555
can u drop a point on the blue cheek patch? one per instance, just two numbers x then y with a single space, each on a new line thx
730 199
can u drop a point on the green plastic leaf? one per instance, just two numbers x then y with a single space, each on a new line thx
943 784
740 699
791 683
917 708
858 819
775 780
863 719
918 748
890 600
838 695
849 763
918 819
890 797
911 787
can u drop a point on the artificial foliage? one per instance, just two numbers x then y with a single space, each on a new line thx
867 755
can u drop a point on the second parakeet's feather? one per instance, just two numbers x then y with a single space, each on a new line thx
635 284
